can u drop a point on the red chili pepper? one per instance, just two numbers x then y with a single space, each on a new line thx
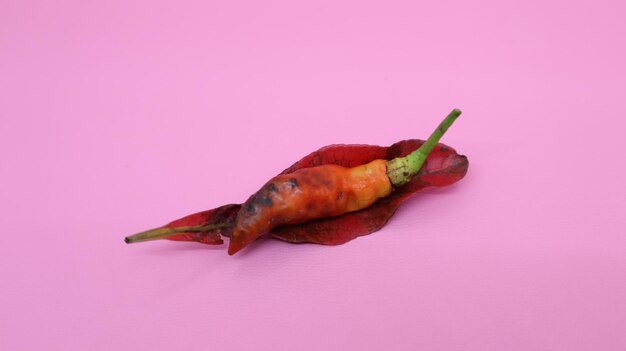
329 197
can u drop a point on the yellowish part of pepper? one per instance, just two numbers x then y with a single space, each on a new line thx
369 182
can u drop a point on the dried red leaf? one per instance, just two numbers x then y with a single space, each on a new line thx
443 167
221 215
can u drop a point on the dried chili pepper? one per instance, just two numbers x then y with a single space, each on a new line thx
326 198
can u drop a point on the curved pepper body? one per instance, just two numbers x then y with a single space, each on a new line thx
306 194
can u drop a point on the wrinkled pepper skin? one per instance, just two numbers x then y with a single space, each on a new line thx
306 194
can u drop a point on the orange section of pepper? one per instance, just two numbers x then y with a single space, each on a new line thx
306 194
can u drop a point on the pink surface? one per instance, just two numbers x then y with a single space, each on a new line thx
120 116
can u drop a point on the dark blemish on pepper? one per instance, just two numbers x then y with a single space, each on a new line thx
293 183
250 207
271 187
264 200
444 148
322 180
340 196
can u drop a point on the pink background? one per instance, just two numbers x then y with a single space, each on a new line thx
120 116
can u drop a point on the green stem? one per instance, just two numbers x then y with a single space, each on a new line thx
401 169
160 233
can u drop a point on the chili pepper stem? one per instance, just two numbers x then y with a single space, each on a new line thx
400 170
163 232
